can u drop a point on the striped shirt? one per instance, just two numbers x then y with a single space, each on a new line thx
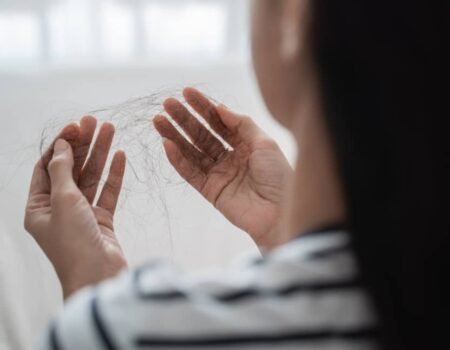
303 295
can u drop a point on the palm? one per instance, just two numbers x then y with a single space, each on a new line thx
104 220
246 183
40 208
99 220
247 187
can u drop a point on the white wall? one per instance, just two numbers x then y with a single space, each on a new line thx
157 219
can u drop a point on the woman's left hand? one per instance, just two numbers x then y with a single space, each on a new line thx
77 236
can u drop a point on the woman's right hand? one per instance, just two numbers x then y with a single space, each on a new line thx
246 184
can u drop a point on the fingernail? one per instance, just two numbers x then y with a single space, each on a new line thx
223 106
60 146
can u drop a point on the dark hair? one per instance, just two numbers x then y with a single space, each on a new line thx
378 64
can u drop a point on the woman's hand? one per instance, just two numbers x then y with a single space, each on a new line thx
77 237
246 184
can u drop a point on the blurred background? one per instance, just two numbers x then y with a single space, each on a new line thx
62 59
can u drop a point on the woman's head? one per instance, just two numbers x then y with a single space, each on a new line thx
375 63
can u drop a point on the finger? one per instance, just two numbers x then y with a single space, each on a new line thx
40 181
60 168
88 125
187 169
93 170
207 109
168 131
111 190
70 133
243 127
198 133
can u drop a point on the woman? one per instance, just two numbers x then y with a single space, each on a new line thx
348 231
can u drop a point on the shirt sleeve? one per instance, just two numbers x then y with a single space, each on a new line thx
306 294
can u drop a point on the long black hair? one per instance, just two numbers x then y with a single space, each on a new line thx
379 63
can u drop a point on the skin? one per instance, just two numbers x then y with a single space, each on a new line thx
248 179
76 235
287 78
244 183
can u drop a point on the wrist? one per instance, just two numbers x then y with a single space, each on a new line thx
68 291
72 281
272 238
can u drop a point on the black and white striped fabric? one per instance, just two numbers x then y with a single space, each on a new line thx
304 295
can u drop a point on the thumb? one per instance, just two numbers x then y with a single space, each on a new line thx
228 117
246 128
61 165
